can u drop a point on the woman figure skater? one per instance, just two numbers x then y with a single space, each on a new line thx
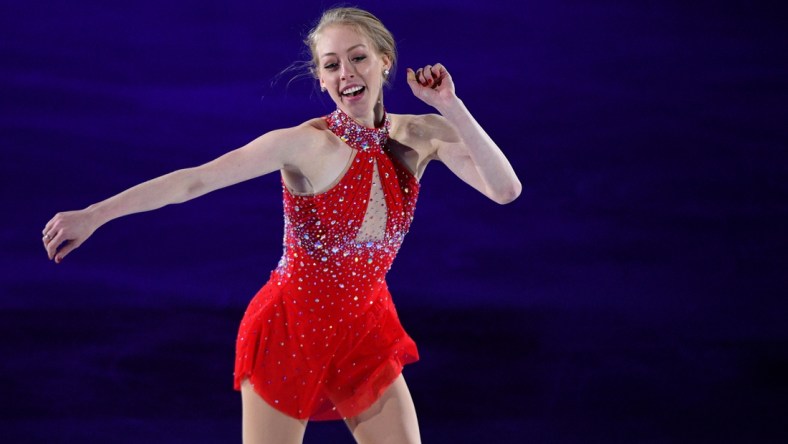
321 339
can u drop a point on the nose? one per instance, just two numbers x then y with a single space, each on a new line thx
347 71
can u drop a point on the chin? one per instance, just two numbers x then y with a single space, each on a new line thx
356 109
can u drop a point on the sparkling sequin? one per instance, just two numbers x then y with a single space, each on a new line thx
347 344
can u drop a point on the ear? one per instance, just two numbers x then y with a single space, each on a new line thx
386 61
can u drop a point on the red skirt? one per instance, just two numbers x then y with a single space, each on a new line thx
320 364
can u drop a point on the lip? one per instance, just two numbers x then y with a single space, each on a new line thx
356 98
353 99
350 85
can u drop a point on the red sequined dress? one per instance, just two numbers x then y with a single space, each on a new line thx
321 340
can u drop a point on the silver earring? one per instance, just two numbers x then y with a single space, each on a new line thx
323 89
386 72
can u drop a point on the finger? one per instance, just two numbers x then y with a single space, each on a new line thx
53 244
439 73
67 248
438 70
51 224
412 80
428 72
423 76
416 86
410 75
46 239
428 76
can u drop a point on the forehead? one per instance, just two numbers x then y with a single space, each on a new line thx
338 39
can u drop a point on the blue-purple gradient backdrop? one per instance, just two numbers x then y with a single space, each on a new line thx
633 293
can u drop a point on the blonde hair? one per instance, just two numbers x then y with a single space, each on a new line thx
364 23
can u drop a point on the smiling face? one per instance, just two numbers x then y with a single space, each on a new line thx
351 70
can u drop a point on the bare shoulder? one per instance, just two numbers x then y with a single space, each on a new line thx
297 144
307 134
314 136
315 157
315 124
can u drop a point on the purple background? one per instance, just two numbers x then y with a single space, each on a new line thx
633 293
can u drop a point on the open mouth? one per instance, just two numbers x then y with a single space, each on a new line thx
353 91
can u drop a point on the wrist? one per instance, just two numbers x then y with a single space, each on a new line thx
97 214
451 108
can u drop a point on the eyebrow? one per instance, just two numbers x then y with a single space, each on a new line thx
349 49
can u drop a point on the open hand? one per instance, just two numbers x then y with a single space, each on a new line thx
432 84
65 232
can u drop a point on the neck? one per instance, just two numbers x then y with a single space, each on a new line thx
375 117
379 112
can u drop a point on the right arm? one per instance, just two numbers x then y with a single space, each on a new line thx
270 152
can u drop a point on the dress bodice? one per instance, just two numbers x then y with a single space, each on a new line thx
357 225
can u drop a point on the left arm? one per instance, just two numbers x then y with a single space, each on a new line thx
460 142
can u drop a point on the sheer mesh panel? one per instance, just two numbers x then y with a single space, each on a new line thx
373 228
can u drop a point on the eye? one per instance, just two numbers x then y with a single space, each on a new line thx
330 66
358 58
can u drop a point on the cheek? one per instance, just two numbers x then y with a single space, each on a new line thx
326 77
369 74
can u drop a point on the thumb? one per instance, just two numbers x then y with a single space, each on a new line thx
415 87
411 76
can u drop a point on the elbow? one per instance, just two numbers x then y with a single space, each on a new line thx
189 185
508 194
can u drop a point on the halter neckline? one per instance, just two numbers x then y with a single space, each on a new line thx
356 135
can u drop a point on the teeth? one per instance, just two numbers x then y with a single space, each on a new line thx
352 90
